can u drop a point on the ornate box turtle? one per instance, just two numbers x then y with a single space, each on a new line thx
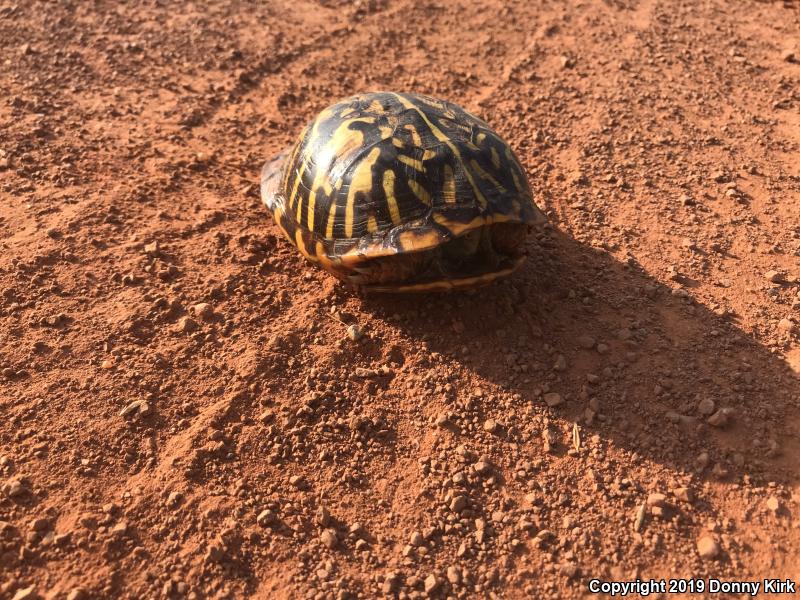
402 192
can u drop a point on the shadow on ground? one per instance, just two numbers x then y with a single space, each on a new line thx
642 364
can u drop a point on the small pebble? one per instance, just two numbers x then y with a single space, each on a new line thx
354 332
356 529
458 504
638 521
774 276
706 406
720 176
14 488
553 399
720 418
569 569
186 325
322 516
203 311
328 537
453 575
390 582
482 467
265 517
707 547
40 524
120 529
683 493
140 406
431 584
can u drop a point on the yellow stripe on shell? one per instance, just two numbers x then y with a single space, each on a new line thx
420 192
411 241
332 212
443 138
307 150
480 137
360 181
331 220
292 158
487 176
450 123
372 224
411 162
432 102
458 228
391 200
322 257
513 169
358 255
517 183
278 215
328 112
343 141
449 185
415 137
448 284
495 158
320 181
298 178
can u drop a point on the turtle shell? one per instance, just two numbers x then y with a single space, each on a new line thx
387 174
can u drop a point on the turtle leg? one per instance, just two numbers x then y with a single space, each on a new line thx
508 238
399 267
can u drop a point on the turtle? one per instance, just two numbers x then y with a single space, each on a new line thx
402 192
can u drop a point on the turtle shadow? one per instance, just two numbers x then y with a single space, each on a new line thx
642 365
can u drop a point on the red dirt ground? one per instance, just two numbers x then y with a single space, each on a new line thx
247 448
